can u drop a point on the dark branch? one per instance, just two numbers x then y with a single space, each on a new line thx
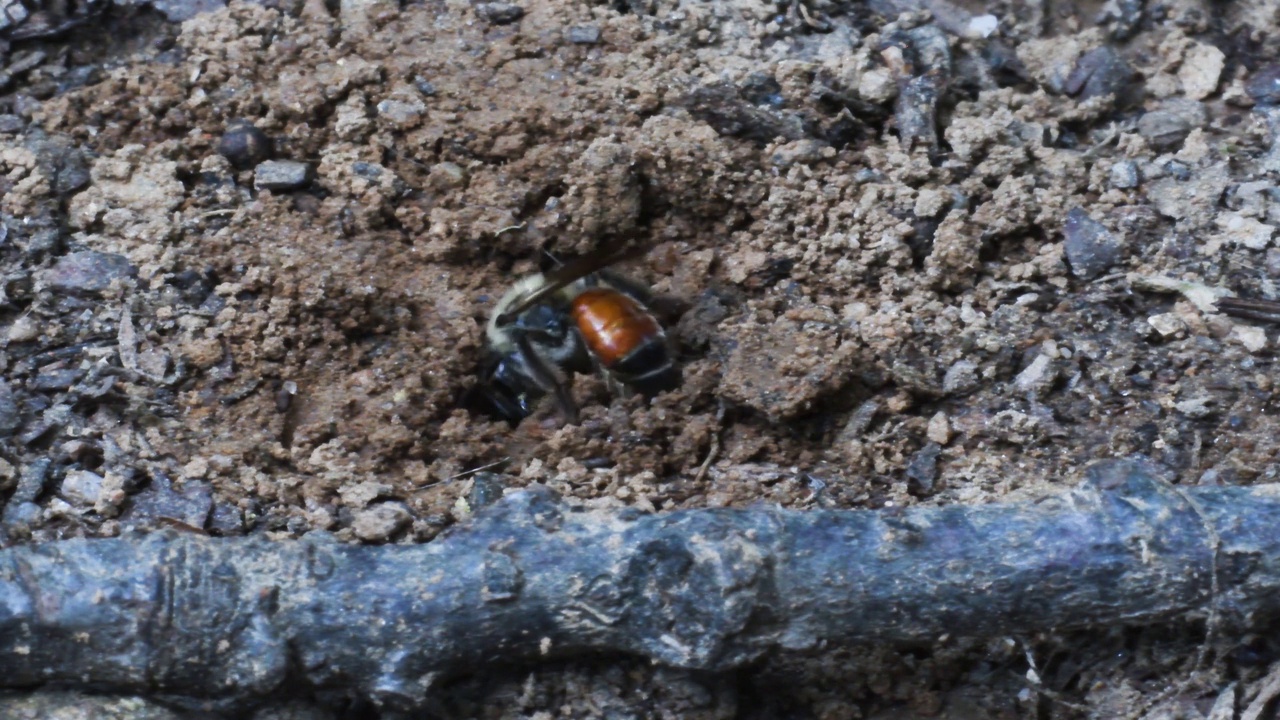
231 620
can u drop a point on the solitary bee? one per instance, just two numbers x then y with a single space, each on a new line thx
577 317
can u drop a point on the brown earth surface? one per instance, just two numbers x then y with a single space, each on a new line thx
864 316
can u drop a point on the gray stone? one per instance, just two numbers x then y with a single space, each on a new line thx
486 489
178 10
961 378
12 14
1101 71
82 488
56 378
424 86
88 272
281 175
922 469
190 505
584 34
404 112
1124 175
1091 248
798 152
1038 377
378 523
31 481
10 418
1263 84
1163 129
499 13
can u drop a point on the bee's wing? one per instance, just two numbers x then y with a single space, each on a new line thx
564 276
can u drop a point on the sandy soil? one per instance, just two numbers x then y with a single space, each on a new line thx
865 313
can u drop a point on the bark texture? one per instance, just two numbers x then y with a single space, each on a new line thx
231 620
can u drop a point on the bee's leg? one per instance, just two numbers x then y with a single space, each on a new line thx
616 387
546 377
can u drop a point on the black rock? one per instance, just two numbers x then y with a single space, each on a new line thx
1091 248
1101 71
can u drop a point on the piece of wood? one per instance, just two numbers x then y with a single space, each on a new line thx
227 621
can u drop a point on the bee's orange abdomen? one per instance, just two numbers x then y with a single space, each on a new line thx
613 325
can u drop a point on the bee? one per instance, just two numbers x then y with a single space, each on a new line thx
578 317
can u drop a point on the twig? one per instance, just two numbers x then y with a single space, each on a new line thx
224 621
714 450
467 473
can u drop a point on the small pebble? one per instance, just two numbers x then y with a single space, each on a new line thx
961 378
226 520
1197 407
244 145
12 14
379 522
424 86
9 417
19 514
1254 339
798 152
32 481
499 13
189 504
1037 377
88 272
403 112
922 469
359 495
1101 71
1201 70
1124 17
486 489
177 11
584 34
1163 129
939 428
280 175
1124 175
1167 324
82 488
446 175
1091 248
56 378
10 124
24 329
1263 85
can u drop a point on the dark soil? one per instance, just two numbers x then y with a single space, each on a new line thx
866 313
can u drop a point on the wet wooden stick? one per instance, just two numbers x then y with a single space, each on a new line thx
225 622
